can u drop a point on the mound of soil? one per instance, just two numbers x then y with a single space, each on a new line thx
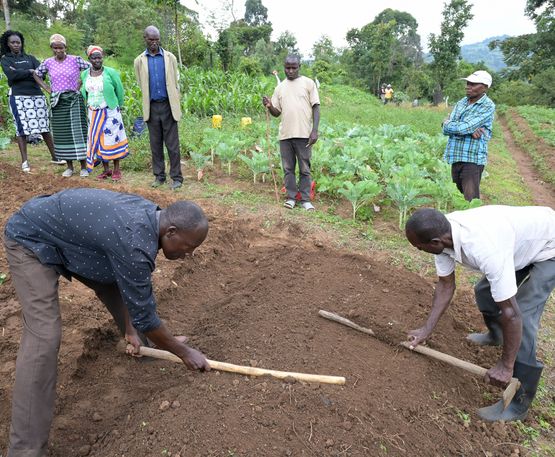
251 297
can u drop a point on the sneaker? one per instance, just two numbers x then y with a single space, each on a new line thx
308 206
68 173
175 185
25 167
58 162
157 183
84 173
289 203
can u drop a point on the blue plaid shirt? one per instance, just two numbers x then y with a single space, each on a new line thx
463 121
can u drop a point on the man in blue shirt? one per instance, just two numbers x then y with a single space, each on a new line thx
108 241
469 130
157 74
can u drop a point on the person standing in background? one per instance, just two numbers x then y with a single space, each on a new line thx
157 74
25 99
469 130
69 116
296 99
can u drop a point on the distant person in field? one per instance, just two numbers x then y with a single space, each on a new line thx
469 129
382 93
103 93
388 94
51 236
25 99
514 248
69 115
296 99
157 74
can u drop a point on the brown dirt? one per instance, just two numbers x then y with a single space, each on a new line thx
543 192
251 296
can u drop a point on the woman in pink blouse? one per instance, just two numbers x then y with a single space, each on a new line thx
69 116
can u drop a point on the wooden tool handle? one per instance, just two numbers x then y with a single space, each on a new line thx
249 371
470 367
341 320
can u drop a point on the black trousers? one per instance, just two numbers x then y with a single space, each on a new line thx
294 150
162 128
467 176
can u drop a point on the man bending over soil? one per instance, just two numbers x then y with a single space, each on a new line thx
514 247
109 242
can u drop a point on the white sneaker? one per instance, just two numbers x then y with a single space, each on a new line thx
58 162
84 174
308 206
25 167
68 173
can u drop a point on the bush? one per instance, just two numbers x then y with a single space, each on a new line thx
513 93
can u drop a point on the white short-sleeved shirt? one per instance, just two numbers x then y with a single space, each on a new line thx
497 241
295 99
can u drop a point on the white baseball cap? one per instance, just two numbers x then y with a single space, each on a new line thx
480 76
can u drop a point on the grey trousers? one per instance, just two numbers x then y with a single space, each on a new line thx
293 150
34 390
162 128
535 284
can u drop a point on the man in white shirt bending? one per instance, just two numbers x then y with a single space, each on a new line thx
514 247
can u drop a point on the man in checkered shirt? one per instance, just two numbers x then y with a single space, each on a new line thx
469 130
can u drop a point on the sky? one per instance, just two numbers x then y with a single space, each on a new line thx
308 20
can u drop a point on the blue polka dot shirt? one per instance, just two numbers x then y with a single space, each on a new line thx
104 236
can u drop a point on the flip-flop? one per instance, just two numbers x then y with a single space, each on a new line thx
289 204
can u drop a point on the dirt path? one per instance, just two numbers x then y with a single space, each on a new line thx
543 193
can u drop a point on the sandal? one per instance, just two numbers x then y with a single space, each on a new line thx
116 175
289 203
104 174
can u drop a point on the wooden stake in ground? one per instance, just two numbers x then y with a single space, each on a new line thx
249 371
270 155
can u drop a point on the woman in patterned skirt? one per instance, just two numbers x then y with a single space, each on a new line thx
103 93
26 101
69 116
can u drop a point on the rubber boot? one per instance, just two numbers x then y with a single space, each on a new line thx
529 377
494 335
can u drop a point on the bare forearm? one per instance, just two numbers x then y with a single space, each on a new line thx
511 324
443 294
315 117
162 338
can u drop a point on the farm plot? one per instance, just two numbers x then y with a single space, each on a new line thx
251 296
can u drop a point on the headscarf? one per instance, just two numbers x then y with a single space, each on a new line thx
93 48
57 38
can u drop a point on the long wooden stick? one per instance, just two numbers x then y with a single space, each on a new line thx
249 371
270 164
342 320
477 370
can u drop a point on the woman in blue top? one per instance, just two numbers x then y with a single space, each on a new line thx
103 93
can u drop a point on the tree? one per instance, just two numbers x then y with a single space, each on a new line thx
323 49
535 52
370 54
255 13
6 9
445 48
408 45
285 44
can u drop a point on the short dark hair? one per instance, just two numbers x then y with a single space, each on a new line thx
4 48
427 224
294 57
186 215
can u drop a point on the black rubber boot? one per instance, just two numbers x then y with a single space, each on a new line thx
494 335
529 378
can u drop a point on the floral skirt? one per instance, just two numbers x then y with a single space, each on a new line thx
30 114
106 139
